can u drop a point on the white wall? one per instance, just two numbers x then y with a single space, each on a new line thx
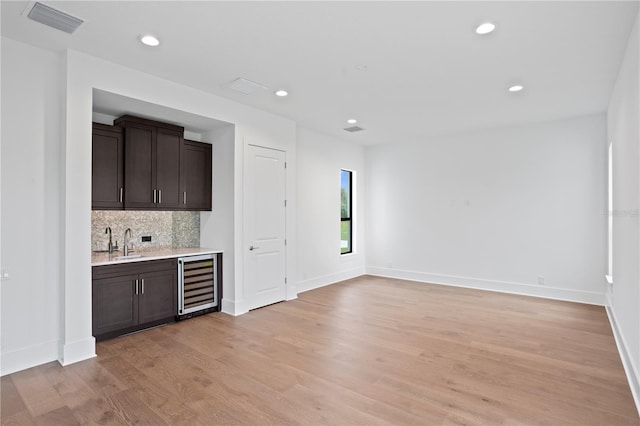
31 147
494 209
217 226
320 159
623 132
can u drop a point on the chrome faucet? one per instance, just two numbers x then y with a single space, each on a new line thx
110 245
126 241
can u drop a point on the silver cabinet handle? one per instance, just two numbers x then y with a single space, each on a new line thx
136 286
252 248
142 285
159 196
184 197
154 196
121 194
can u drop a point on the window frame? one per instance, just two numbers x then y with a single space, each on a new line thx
609 275
349 217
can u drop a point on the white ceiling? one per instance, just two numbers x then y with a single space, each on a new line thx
115 105
427 73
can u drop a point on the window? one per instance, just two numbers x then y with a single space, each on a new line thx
610 215
346 222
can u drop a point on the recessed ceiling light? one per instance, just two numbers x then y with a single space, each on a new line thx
485 28
516 88
352 121
149 40
362 67
281 93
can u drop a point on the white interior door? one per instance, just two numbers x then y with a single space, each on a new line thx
265 214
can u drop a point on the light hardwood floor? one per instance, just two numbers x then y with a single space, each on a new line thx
365 351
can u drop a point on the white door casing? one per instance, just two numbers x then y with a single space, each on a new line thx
265 227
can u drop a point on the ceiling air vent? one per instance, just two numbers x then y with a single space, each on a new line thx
353 129
54 18
245 86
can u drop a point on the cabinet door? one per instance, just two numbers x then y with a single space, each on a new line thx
139 166
107 168
158 297
196 175
115 304
167 169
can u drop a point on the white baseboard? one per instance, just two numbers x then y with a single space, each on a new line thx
292 291
609 291
318 282
77 351
588 297
232 307
28 357
630 368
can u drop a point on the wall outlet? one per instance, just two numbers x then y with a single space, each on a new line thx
146 238
4 275
540 280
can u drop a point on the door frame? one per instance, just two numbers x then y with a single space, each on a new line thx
236 304
245 216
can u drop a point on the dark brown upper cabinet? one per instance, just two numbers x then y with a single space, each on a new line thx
151 164
107 172
142 164
195 175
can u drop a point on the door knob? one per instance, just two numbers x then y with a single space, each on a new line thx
252 248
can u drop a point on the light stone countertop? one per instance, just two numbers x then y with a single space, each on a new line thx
98 259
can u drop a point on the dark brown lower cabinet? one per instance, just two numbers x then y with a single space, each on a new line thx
132 296
159 295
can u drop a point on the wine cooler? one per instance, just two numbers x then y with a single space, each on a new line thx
197 285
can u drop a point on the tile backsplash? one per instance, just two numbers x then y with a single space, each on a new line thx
166 228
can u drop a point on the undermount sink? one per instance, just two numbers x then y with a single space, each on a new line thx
131 256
